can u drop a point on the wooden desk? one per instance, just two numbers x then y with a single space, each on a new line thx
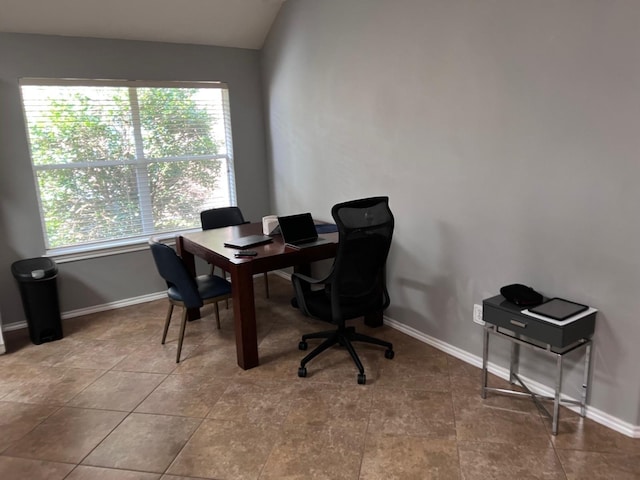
209 245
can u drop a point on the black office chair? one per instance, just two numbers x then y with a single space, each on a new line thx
221 217
184 290
226 217
356 284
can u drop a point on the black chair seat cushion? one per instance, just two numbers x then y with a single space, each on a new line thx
319 305
209 286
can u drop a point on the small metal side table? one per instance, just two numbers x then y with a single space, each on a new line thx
505 319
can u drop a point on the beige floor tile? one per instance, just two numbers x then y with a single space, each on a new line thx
331 406
177 477
480 461
320 453
459 368
212 360
18 419
198 331
254 402
412 412
46 385
412 370
467 397
118 391
184 395
153 358
288 330
26 469
22 352
205 331
580 465
503 426
143 442
400 457
82 472
141 326
91 327
66 436
226 450
576 433
275 365
95 354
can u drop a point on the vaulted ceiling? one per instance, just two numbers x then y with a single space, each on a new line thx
227 23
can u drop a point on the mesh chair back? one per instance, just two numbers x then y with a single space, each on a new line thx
221 217
171 267
365 228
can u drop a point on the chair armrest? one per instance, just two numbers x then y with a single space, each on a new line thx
298 279
306 279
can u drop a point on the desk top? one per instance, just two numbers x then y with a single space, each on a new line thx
209 244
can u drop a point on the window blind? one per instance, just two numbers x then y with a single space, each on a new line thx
119 160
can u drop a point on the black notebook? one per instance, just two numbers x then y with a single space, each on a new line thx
558 309
248 241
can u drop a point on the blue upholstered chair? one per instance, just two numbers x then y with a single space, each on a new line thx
184 290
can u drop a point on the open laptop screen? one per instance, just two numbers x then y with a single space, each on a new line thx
297 228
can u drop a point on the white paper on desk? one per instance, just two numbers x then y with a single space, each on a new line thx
566 321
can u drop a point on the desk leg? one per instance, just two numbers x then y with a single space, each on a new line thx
556 401
485 355
244 313
189 262
585 383
514 363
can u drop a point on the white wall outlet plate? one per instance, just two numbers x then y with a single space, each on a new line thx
477 314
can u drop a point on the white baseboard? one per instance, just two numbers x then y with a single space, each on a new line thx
592 413
95 309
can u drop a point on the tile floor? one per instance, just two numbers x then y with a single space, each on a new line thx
109 402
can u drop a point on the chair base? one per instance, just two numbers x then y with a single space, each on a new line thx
343 336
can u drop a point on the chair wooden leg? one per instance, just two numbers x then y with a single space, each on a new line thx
218 314
266 284
181 338
167 322
224 275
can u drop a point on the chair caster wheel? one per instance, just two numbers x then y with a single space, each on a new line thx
302 345
389 354
362 379
302 372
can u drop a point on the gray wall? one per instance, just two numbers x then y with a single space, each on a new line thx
88 283
506 134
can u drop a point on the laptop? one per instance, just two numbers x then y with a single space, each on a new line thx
248 241
299 231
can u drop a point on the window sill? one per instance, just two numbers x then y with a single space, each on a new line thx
85 252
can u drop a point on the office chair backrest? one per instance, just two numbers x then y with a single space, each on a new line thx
365 229
221 217
171 267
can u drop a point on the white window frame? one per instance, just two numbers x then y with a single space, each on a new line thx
137 243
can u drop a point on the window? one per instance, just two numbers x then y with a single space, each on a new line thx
118 161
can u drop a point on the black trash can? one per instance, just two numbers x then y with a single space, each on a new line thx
39 291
